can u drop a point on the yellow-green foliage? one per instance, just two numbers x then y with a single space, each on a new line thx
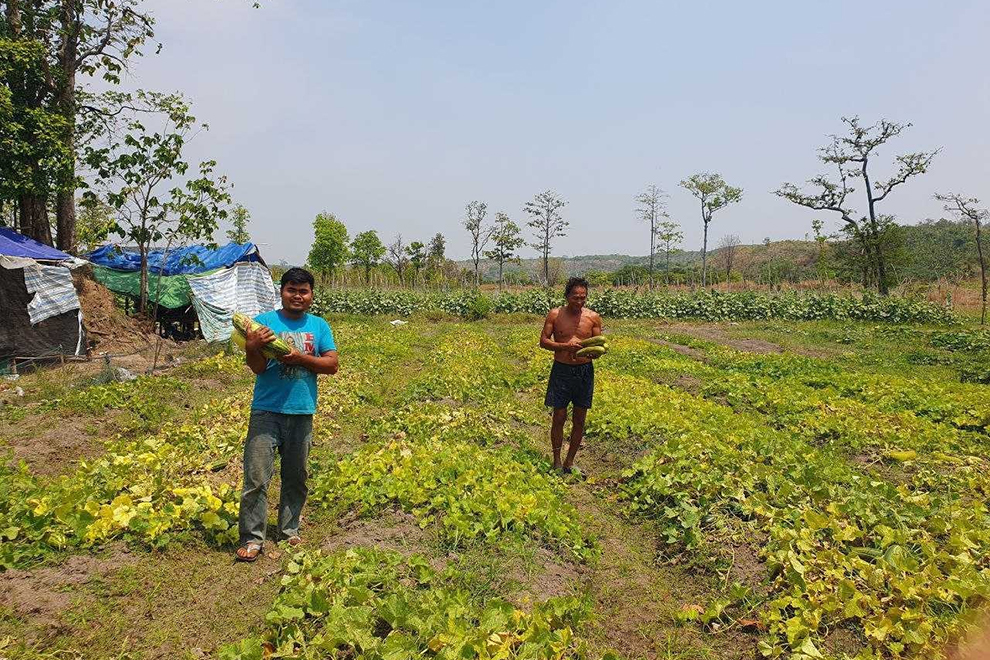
896 560
466 491
366 603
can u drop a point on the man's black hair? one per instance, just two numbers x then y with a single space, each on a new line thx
573 282
298 276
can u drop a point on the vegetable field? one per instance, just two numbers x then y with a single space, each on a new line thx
772 488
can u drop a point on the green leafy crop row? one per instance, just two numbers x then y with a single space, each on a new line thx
898 562
366 603
615 303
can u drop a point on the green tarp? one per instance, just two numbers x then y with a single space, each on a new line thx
174 292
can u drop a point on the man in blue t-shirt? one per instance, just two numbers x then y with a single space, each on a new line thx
282 411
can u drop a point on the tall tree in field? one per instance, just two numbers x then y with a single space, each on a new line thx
367 251
239 219
34 161
397 257
506 239
436 250
727 254
968 209
851 156
436 257
329 252
67 38
474 222
651 210
416 251
135 172
714 194
547 224
670 236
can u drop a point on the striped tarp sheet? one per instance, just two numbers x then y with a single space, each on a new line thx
52 289
246 287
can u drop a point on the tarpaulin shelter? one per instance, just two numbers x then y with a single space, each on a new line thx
41 313
119 269
246 287
216 282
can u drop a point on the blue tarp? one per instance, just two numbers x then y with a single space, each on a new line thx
13 244
189 260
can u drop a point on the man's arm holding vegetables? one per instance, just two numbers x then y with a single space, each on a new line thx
325 363
254 340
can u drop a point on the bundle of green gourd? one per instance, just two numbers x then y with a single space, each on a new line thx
271 350
594 347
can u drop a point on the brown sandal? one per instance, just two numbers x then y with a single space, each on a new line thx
294 541
248 552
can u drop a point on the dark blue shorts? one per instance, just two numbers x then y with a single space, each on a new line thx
571 383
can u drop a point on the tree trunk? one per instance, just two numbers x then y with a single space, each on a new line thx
500 280
653 249
65 203
65 213
144 278
34 218
983 275
546 255
704 258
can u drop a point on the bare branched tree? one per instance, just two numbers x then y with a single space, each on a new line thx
547 224
474 222
850 155
727 248
652 210
968 209
397 257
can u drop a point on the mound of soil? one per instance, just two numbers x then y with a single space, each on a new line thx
107 326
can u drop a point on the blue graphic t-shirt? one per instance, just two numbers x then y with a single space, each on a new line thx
291 389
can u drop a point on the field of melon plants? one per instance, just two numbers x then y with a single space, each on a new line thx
767 488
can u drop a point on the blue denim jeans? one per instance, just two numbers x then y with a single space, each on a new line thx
291 436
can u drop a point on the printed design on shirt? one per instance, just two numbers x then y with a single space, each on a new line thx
304 342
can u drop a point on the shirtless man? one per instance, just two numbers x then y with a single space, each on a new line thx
572 378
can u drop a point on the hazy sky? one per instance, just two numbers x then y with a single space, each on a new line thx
393 115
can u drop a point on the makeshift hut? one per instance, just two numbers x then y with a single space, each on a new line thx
41 316
197 288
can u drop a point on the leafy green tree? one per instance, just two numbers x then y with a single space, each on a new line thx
651 210
506 239
474 222
134 173
436 249
968 209
239 219
851 156
714 194
94 224
547 224
367 251
416 251
670 236
95 38
329 251
34 160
